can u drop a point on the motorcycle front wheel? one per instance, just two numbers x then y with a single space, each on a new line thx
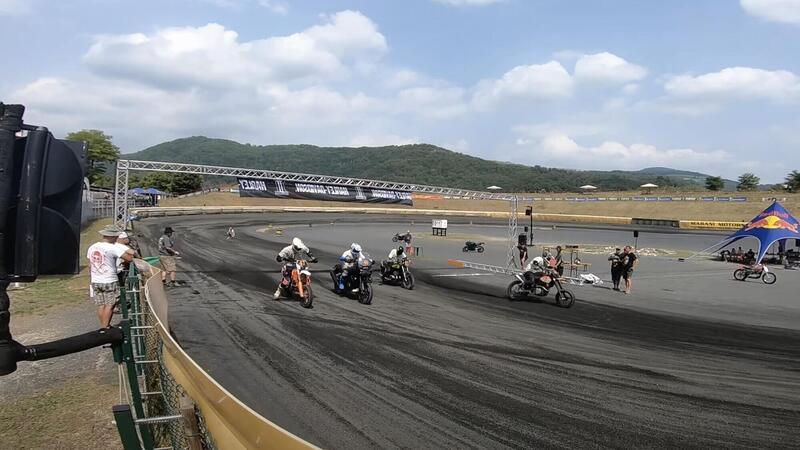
308 299
514 290
465 249
565 299
768 277
480 249
394 238
408 281
740 274
365 295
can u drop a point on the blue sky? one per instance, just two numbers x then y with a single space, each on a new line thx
712 86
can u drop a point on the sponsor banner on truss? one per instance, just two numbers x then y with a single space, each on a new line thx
249 187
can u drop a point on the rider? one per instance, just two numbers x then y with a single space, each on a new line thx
348 259
231 233
289 255
395 256
534 269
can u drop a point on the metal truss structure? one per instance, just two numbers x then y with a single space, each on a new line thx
124 167
512 233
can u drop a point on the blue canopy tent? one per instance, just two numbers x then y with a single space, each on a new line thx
154 191
137 191
774 224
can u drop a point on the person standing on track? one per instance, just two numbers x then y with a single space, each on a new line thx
616 267
167 254
289 256
630 262
559 261
231 233
104 286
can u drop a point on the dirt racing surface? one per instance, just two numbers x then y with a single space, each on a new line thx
691 359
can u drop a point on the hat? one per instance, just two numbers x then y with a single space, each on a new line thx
123 235
168 230
110 231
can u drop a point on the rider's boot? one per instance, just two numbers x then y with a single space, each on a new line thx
277 293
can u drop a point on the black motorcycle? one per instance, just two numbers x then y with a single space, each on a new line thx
539 284
405 237
470 246
398 273
357 283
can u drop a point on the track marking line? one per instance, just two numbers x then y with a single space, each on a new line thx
481 274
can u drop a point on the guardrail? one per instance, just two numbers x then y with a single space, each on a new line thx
176 404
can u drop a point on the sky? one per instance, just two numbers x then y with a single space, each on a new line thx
711 86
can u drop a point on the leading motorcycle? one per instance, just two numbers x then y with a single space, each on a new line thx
398 272
357 283
299 283
539 284
759 271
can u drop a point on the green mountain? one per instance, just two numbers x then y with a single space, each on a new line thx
417 163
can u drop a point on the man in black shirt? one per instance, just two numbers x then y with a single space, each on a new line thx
629 261
616 267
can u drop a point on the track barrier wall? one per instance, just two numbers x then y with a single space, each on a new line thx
163 379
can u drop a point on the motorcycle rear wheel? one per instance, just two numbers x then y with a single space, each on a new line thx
740 274
394 238
768 278
565 299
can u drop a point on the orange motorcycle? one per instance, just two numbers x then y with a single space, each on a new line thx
299 286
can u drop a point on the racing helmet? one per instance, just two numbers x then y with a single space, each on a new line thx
538 261
355 248
297 244
400 250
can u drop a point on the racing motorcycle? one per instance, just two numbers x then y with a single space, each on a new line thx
405 237
759 271
470 246
540 284
399 272
299 286
358 282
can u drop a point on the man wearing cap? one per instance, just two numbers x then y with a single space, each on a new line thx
104 286
167 253
123 242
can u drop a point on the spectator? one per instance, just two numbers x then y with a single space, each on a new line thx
616 267
167 253
749 257
629 263
104 284
523 254
123 242
559 261
134 245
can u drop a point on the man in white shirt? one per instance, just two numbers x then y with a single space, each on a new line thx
104 286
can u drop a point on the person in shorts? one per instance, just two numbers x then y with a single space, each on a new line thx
167 254
104 287
629 263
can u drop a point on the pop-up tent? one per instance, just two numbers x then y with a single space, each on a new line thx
774 224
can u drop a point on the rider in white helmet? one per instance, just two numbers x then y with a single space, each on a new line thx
536 265
349 258
289 255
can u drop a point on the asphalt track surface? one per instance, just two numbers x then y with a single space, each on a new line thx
691 359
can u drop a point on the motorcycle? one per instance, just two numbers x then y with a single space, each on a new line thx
470 246
759 271
299 286
402 237
540 284
358 282
398 272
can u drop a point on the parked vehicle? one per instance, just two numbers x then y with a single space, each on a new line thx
470 246
539 284
357 283
405 237
398 273
299 287
758 271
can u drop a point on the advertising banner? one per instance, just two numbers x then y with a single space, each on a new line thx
318 191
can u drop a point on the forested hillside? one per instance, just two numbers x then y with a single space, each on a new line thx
418 163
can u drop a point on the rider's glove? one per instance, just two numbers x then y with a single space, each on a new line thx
279 258
314 260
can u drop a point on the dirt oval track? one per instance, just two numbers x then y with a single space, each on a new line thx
453 364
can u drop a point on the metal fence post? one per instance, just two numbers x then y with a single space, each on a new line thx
126 427
133 383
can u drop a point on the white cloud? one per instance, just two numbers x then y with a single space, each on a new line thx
536 81
608 68
737 83
15 7
434 102
785 11
277 7
213 55
614 155
468 2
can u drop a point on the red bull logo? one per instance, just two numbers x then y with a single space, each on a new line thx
772 222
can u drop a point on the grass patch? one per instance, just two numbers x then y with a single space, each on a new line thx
52 291
76 415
